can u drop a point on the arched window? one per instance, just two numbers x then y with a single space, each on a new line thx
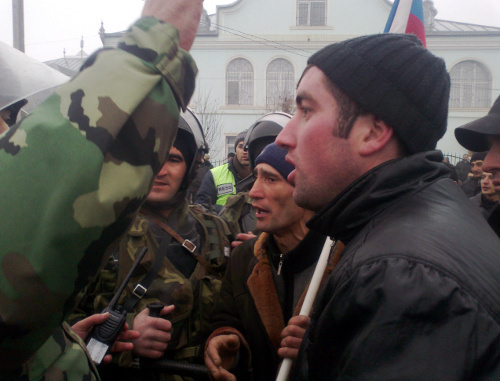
239 82
280 84
311 12
470 85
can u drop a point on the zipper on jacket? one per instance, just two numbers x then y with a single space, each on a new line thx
280 264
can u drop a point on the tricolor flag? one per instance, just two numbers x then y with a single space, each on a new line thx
407 16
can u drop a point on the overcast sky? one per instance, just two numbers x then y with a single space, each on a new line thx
54 25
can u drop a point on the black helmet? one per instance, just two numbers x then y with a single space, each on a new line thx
190 126
263 132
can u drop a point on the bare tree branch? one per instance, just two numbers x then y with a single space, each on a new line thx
280 99
207 110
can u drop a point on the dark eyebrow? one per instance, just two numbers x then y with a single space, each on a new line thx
175 156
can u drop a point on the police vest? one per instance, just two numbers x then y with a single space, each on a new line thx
224 183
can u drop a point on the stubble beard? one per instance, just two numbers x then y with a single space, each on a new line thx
306 197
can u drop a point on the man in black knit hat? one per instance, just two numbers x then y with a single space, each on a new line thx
415 293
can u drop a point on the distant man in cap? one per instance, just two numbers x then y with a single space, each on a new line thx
488 199
463 168
483 134
472 186
415 293
220 182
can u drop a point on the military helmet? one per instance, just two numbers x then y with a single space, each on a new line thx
24 79
263 132
190 124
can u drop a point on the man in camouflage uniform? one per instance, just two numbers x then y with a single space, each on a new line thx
73 175
179 277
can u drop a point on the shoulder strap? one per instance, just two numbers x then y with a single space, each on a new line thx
142 287
187 244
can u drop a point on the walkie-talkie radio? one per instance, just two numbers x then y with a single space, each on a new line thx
102 336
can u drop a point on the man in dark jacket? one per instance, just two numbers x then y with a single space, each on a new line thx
415 294
488 199
463 168
481 135
195 185
265 280
472 186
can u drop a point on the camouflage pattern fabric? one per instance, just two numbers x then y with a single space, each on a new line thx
64 348
239 214
74 173
193 297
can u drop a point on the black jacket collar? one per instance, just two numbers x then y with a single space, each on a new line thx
375 191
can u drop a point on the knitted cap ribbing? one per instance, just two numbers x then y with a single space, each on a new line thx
275 157
395 78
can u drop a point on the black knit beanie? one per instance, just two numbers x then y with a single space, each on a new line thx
184 142
275 157
395 78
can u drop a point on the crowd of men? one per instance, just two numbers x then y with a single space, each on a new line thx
100 216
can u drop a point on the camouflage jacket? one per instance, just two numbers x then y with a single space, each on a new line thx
193 295
73 175
239 214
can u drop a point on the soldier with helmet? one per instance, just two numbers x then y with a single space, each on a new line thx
186 257
238 211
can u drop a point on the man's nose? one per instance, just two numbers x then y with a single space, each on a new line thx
256 191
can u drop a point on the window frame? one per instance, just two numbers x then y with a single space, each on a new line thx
468 90
307 20
276 79
240 83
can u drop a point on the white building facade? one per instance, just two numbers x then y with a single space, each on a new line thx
251 53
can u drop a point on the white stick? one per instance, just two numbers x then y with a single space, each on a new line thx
286 365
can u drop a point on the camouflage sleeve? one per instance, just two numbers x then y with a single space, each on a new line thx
74 173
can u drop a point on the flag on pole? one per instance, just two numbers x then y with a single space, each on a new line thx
407 16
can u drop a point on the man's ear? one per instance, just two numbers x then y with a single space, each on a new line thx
377 134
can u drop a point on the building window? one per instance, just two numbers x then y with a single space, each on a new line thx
229 144
239 82
470 85
311 12
280 84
